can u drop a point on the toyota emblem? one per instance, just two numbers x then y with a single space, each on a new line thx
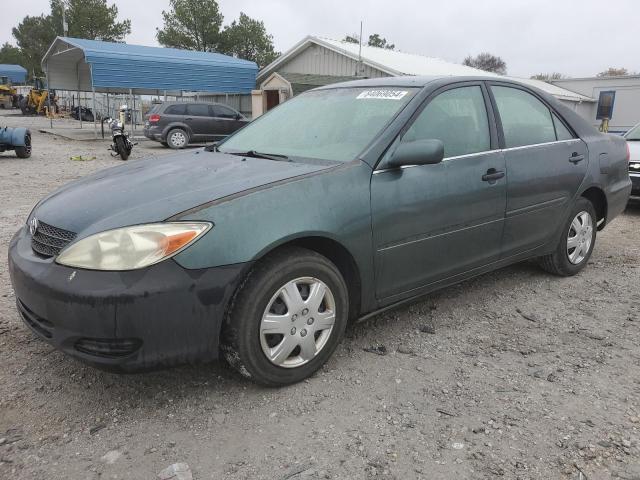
33 226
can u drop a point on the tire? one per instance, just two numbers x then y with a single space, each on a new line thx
567 260
300 344
24 152
177 138
121 147
24 106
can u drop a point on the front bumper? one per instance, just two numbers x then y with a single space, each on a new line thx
159 316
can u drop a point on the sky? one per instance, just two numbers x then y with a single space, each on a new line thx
574 37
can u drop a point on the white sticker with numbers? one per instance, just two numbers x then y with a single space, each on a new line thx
382 94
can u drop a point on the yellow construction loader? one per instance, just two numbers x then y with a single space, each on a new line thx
37 100
8 94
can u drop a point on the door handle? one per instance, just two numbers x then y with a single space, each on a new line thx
492 175
188 118
576 158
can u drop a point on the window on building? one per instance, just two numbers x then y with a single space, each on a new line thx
525 119
605 105
458 118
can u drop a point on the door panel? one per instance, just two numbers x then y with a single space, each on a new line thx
542 172
199 121
431 222
434 221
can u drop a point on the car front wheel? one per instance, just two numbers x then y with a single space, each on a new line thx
287 317
576 243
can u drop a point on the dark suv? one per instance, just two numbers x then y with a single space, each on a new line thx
176 124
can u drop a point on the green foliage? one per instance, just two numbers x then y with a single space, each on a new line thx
34 36
197 25
91 19
192 25
248 39
487 62
10 54
376 40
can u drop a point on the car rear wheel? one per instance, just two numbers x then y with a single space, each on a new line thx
576 243
286 318
177 138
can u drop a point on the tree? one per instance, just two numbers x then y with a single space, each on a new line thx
91 19
192 25
34 35
10 54
197 25
354 38
487 62
547 77
248 39
376 40
614 72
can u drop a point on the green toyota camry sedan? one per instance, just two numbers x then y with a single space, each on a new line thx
340 203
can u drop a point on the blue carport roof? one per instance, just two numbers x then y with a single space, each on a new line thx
16 73
118 67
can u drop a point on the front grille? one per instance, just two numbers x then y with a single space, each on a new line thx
48 241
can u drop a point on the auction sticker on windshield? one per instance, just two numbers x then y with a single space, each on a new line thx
382 94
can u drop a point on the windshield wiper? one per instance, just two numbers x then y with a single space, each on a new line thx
255 154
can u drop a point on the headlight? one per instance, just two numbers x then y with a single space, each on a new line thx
131 248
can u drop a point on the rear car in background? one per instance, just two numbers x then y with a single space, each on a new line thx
177 124
633 141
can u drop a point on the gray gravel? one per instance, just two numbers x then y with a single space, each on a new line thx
515 375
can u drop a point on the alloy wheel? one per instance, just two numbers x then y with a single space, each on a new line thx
579 237
178 139
297 322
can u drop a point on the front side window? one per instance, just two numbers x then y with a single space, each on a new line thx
329 124
633 135
198 110
458 118
525 119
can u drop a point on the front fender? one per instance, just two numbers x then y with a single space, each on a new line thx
333 204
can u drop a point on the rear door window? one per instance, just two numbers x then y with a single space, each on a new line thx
222 112
198 110
525 119
458 118
176 110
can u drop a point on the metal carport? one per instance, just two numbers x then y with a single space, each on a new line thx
106 67
16 73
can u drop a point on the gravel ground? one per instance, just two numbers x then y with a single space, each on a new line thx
516 375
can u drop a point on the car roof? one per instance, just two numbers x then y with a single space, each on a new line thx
198 102
418 81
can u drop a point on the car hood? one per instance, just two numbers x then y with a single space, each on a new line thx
158 188
634 149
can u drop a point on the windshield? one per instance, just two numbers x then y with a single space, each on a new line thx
633 134
333 124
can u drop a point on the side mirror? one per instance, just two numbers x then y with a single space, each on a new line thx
418 152
238 116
